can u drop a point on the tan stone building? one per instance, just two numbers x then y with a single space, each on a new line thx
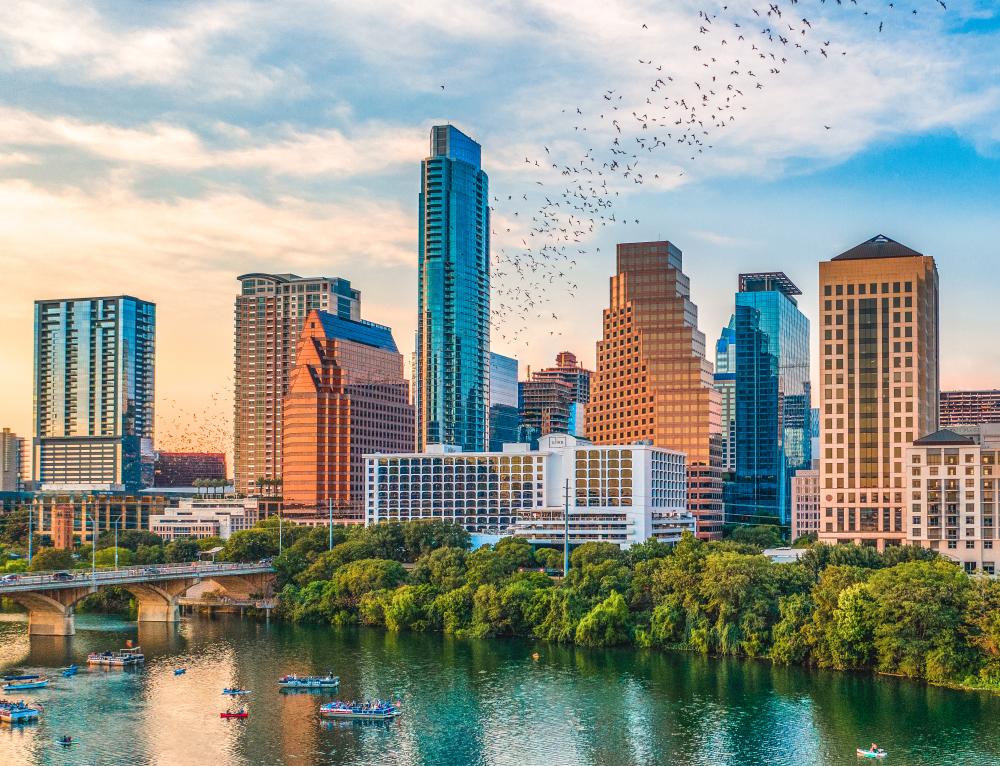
879 351
653 382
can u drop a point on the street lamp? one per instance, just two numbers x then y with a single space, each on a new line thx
329 503
116 537
93 543
31 524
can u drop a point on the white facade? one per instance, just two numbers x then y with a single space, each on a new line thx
952 494
198 519
620 494
805 503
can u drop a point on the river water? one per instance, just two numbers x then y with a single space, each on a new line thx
465 702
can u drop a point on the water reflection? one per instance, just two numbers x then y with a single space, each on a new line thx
466 702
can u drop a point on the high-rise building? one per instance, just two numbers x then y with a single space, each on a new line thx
11 461
453 301
269 314
346 397
554 399
618 494
879 352
773 399
725 384
505 418
805 503
94 393
951 494
653 382
969 408
182 469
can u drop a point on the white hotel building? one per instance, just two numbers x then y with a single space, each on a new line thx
619 494
209 517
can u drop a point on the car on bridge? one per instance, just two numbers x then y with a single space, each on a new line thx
62 576
10 578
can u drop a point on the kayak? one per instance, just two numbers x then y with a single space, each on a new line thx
880 753
70 671
235 692
237 714
20 686
180 671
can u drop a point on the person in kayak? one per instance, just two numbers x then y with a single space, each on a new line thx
874 748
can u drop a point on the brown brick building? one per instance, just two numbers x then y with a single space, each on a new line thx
653 382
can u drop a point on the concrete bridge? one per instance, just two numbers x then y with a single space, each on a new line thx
51 597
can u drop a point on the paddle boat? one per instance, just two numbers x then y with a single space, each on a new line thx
35 682
872 753
329 681
241 713
378 710
235 692
124 658
70 671
18 712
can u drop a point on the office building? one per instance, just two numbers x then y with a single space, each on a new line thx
773 399
616 494
346 397
182 469
11 461
269 313
554 399
805 503
70 519
451 378
879 352
198 519
94 370
505 417
969 408
952 494
653 382
725 383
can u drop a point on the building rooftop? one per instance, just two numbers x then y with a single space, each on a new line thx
766 281
944 437
364 332
877 247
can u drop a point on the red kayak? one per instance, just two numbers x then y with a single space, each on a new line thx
240 714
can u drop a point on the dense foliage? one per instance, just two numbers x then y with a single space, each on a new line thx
905 612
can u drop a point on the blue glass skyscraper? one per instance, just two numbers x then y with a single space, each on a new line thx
773 410
453 302
94 393
505 417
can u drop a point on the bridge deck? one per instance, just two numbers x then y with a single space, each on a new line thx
128 575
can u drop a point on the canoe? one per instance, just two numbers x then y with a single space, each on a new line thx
70 671
862 753
235 692
20 686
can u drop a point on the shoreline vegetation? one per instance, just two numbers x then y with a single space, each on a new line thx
907 612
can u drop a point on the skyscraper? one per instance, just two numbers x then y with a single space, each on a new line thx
11 461
346 398
653 382
725 384
969 408
94 393
879 356
269 314
505 418
554 399
773 399
453 301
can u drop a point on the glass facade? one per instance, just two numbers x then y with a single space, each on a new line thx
93 398
505 417
725 383
453 301
773 400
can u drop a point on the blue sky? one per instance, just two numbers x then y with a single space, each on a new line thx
162 148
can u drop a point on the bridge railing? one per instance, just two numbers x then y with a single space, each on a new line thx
147 572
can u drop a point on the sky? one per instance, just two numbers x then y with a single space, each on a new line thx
160 149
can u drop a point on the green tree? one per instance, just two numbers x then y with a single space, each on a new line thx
549 558
607 624
760 536
149 554
443 568
594 553
51 559
420 538
106 557
181 550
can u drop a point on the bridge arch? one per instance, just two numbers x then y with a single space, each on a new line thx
51 613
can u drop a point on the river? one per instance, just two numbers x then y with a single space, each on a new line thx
466 702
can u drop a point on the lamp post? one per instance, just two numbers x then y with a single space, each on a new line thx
116 538
281 518
329 504
93 544
31 524
566 530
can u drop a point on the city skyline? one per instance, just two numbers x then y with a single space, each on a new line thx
230 158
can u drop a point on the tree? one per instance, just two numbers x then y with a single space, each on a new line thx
106 557
592 553
607 624
444 569
251 544
357 578
51 559
760 536
422 537
549 558
181 550
149 554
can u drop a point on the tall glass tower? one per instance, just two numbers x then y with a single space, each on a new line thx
725 382
453 303
94 393
773 409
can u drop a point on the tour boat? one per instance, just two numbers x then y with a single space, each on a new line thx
124 658
234 714
235 692
361 711
18 712
328 681
865 753
70 671
37 682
